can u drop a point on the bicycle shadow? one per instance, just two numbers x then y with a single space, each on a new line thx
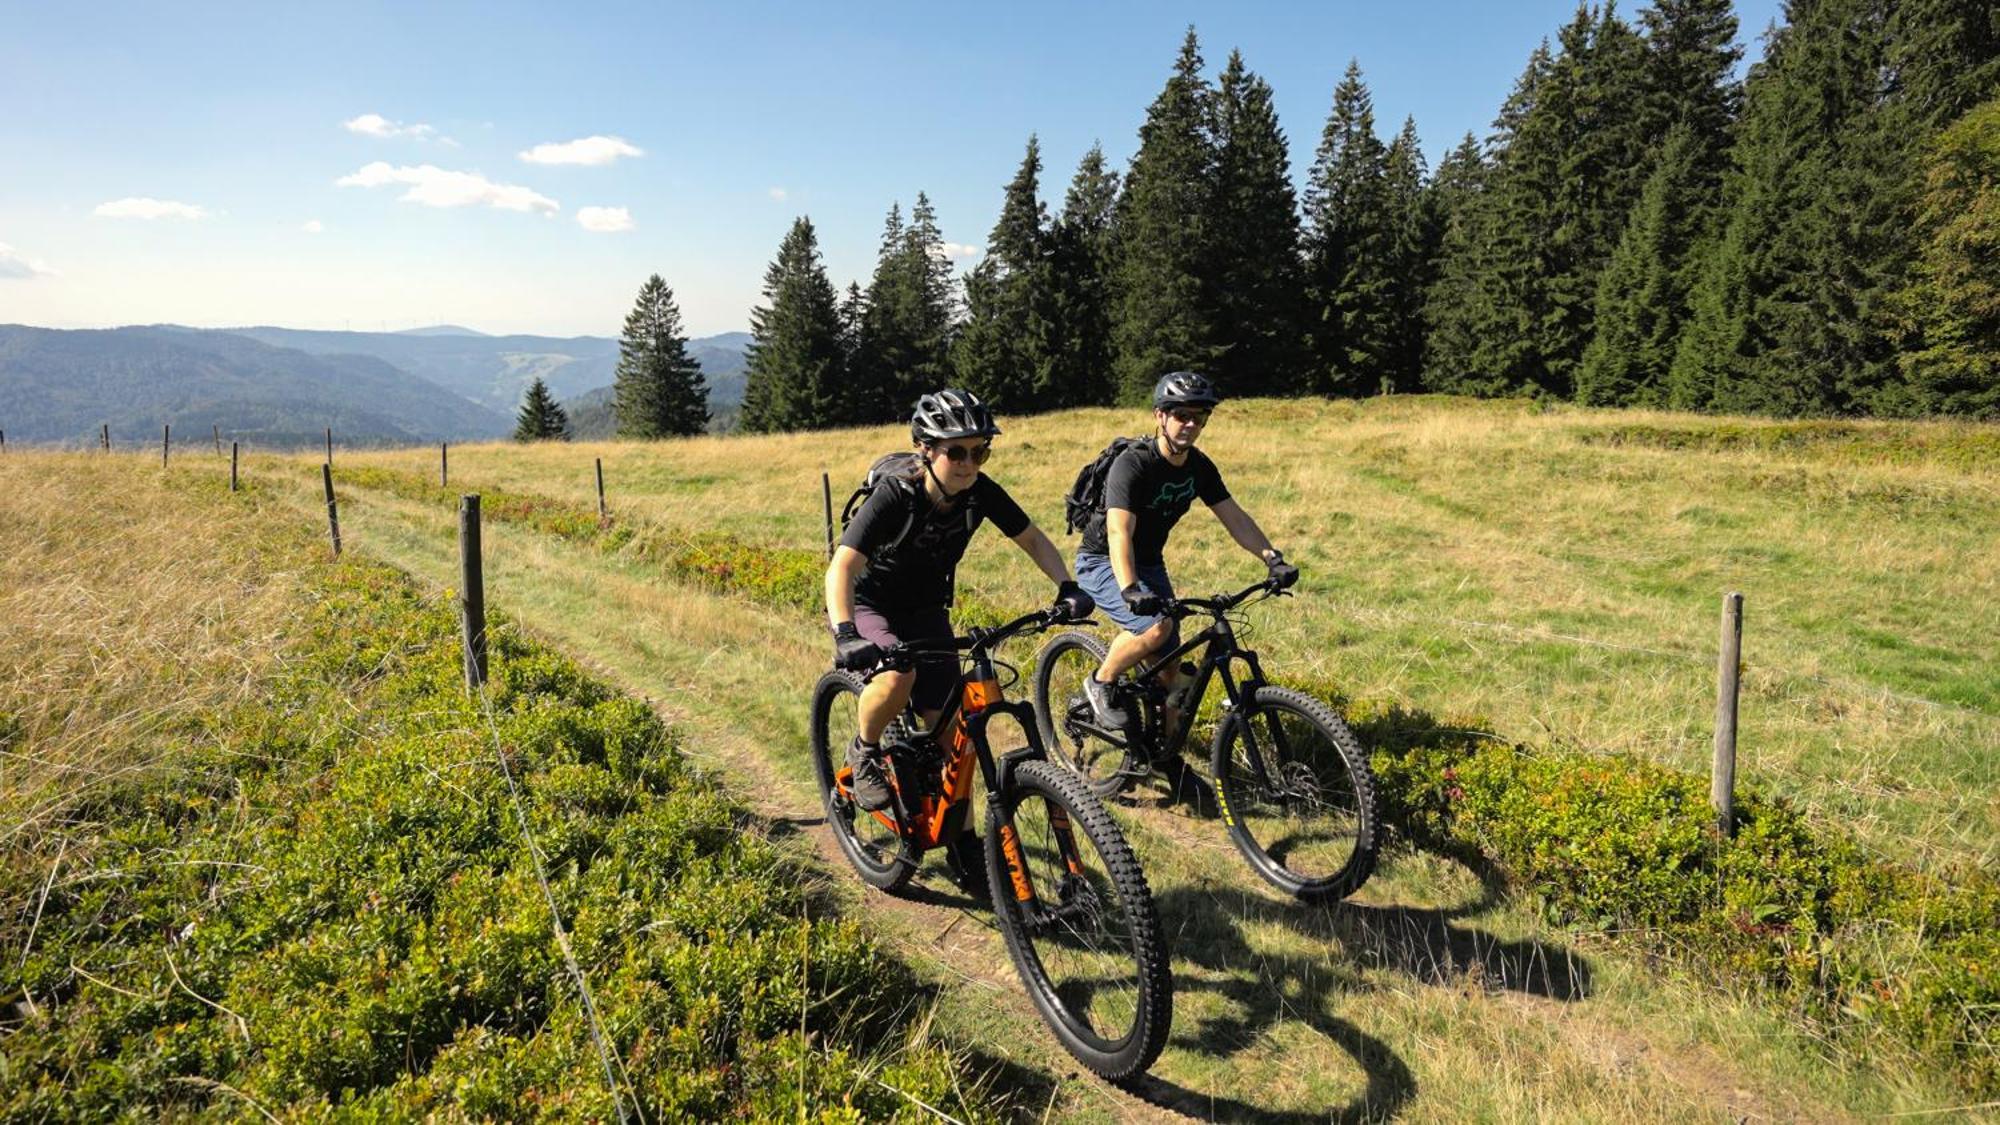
1430 945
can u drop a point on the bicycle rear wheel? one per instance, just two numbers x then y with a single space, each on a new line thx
1295 790
1085 938
874 849
1060 670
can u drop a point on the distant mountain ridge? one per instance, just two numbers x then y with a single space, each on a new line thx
285 385
60 386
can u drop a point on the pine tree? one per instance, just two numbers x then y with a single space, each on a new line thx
1003 351
1350 248
659 390
794 372
1642 295
1949 316
542 418
1413 250
1164 316
906 332
1082 256
1258 279
1451 299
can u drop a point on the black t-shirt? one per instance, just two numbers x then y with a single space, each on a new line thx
1159 493
916 568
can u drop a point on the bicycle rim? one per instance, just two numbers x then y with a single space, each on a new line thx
1060 671
1088 946
872 847
1297 796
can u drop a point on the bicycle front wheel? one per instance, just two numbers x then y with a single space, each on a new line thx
1079 921
1060 707
1294 787
869 842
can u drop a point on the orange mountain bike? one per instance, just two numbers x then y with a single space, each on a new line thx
1071 900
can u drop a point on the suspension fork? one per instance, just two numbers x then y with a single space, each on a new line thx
1244 693
999 777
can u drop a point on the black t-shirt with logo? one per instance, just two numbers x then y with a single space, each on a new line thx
915 568
1158 493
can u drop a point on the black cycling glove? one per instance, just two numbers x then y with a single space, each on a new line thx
1073 602
1140 600
1285 574
853 651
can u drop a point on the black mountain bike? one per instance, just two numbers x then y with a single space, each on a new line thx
1072 902
1291 780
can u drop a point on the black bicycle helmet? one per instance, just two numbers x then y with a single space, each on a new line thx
948 414
1184 388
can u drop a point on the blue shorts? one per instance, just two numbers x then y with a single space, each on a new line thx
1093 573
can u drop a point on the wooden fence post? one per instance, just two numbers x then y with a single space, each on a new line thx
3 441
105 437
218 438
602 514
1722 780
444 465
329 445
166 441
472 591
332 511
826 501
232 466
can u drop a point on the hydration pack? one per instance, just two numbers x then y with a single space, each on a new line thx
1085 500
903 471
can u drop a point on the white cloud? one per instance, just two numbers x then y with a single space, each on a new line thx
949 250
312 226
142 207
777 193
604 220
16 265
439 187
588 150
376 125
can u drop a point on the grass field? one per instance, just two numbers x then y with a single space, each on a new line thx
1556 574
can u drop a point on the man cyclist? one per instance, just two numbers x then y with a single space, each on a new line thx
1147 489
892 576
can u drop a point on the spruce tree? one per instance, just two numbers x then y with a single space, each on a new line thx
794 372
906 331
1689 77
1258 279
1350 249
1003 352
1949 316
1413 250
659 390
1082 255
541 418
1451 299
1164 316
1642 295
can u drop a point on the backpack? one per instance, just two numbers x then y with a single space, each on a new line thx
902 470
1086 497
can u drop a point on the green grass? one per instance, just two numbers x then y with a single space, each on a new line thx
321 901
596 618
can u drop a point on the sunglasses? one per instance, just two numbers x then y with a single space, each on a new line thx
1189 417
958 453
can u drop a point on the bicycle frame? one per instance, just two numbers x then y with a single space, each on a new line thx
960 735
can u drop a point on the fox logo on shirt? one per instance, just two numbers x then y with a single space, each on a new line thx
1174 495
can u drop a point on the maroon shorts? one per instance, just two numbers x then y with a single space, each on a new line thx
937 675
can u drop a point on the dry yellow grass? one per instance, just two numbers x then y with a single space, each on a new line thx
1479 559
1430 1000
124 612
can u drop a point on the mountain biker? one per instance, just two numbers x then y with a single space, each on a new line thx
1147 490
892 576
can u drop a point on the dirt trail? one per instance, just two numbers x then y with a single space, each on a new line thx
1369 1010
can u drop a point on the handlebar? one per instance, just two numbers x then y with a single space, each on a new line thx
1219 604
979 638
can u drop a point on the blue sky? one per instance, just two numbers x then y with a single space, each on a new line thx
742 117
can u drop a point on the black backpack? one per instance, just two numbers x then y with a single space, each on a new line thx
904 471
1086 497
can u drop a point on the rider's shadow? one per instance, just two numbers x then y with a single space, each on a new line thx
1208 928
